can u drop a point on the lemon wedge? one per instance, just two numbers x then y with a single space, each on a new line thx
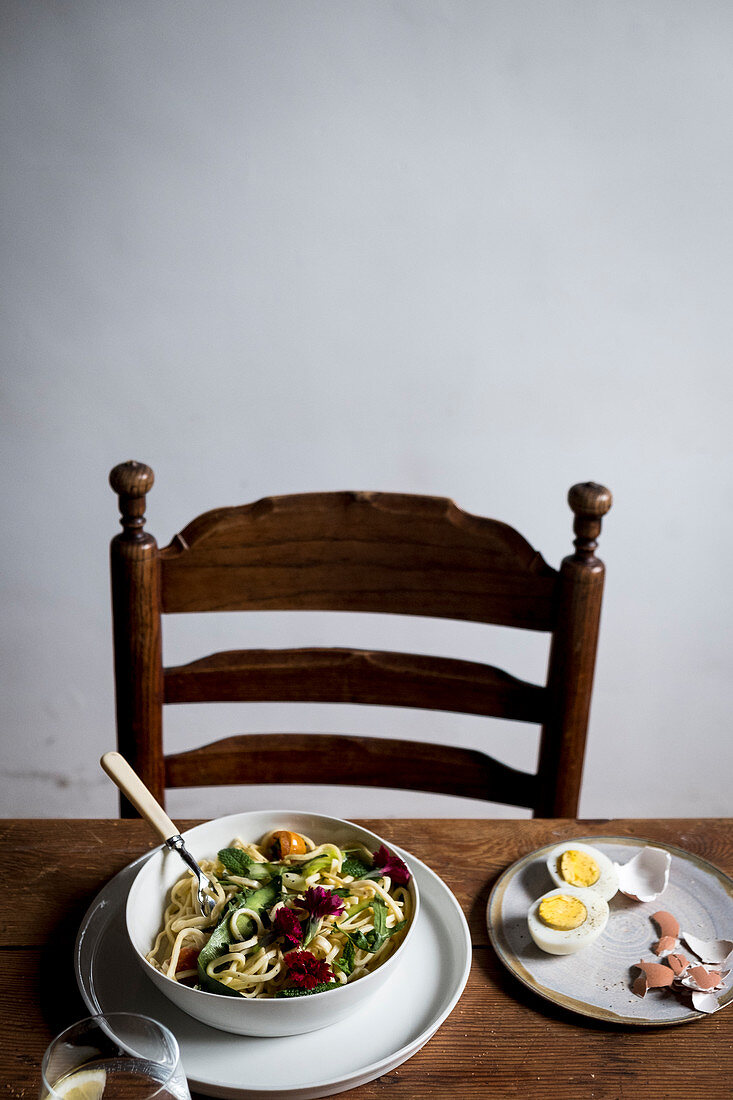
86 1084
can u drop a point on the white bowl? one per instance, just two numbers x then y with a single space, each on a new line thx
266 1016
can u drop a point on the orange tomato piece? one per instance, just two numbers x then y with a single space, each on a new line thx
285 843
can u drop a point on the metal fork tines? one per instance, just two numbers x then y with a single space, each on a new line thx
207 903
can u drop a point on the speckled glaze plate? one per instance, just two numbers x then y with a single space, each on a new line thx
597 980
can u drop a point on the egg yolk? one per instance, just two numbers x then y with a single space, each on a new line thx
562 912
578 868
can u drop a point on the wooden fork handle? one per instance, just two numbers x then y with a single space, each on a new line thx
133 787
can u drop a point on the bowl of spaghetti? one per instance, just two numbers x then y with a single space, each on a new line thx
312 915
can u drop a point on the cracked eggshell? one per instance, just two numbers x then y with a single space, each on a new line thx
678 963
702 986
713 952
669 931
702 980
705 1002
645 876
653 975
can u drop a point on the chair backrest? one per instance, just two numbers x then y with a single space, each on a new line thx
350 551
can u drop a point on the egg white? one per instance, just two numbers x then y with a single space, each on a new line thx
567 942
607 884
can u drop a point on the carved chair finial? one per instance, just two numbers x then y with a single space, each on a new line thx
132 481
590 502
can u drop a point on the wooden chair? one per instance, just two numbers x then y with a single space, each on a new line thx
349 551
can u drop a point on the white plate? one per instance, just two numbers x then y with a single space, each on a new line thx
386 1031
597 980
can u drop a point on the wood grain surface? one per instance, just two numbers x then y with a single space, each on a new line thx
500 1041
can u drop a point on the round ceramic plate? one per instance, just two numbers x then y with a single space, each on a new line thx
597 980
387 1030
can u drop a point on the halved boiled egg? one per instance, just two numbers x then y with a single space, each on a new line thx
583 867
563 921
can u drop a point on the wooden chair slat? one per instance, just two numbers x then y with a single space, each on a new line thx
333 760
359 552
338 675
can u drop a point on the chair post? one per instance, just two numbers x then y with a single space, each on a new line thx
572 657
137 633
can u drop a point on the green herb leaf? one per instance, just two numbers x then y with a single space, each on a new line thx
372 940
345 961
358 939
354 867
310 927
379 909
235 861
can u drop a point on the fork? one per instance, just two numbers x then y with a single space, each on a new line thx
132 786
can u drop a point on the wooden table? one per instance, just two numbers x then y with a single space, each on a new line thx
500 1041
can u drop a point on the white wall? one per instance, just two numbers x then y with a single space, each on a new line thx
474 249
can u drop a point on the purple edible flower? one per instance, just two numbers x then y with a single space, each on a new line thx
387 863
287 925
306 971
321 903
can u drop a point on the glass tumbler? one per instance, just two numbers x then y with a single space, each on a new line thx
116 1056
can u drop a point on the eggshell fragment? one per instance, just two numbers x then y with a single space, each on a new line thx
669 930
701 985
666 923
712 952
697 977
645 876
705 1002
691 981
679 963
653 975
